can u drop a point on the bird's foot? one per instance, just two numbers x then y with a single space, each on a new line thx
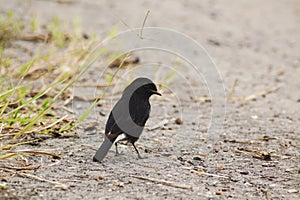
119 153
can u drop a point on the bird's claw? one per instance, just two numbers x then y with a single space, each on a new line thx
119 153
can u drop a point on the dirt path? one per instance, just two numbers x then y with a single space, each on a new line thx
258 157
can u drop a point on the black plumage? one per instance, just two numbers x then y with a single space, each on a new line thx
128 117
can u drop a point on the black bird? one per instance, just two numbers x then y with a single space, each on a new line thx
128 117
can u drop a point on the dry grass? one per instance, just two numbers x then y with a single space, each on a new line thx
38 66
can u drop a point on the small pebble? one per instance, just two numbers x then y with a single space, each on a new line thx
166 154
244 172
254 117
248 184
147 151
173 157
197 158
102 114
178 121
293 191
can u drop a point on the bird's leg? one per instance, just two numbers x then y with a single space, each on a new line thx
139 156
117 152
116 144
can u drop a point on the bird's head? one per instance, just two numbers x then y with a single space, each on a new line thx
142 86
151 89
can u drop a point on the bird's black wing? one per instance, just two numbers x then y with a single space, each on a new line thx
112 130
141 114
109 124
139 110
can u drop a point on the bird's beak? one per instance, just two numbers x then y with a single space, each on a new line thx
155 92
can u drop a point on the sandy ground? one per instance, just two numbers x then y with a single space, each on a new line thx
254 42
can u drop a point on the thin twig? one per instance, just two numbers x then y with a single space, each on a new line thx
237 141
54 155
209 174
81 98
262 155
230 94
35 37
95 86
8 146
255 95
144 22
67 109
21 168
167 183
57 184
47 127
266 194
90 146
7 135
123 22
158 125
262 93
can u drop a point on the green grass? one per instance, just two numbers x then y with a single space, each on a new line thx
30 93
10 27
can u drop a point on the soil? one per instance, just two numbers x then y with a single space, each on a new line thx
257 157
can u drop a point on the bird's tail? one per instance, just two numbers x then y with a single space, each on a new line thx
102 151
